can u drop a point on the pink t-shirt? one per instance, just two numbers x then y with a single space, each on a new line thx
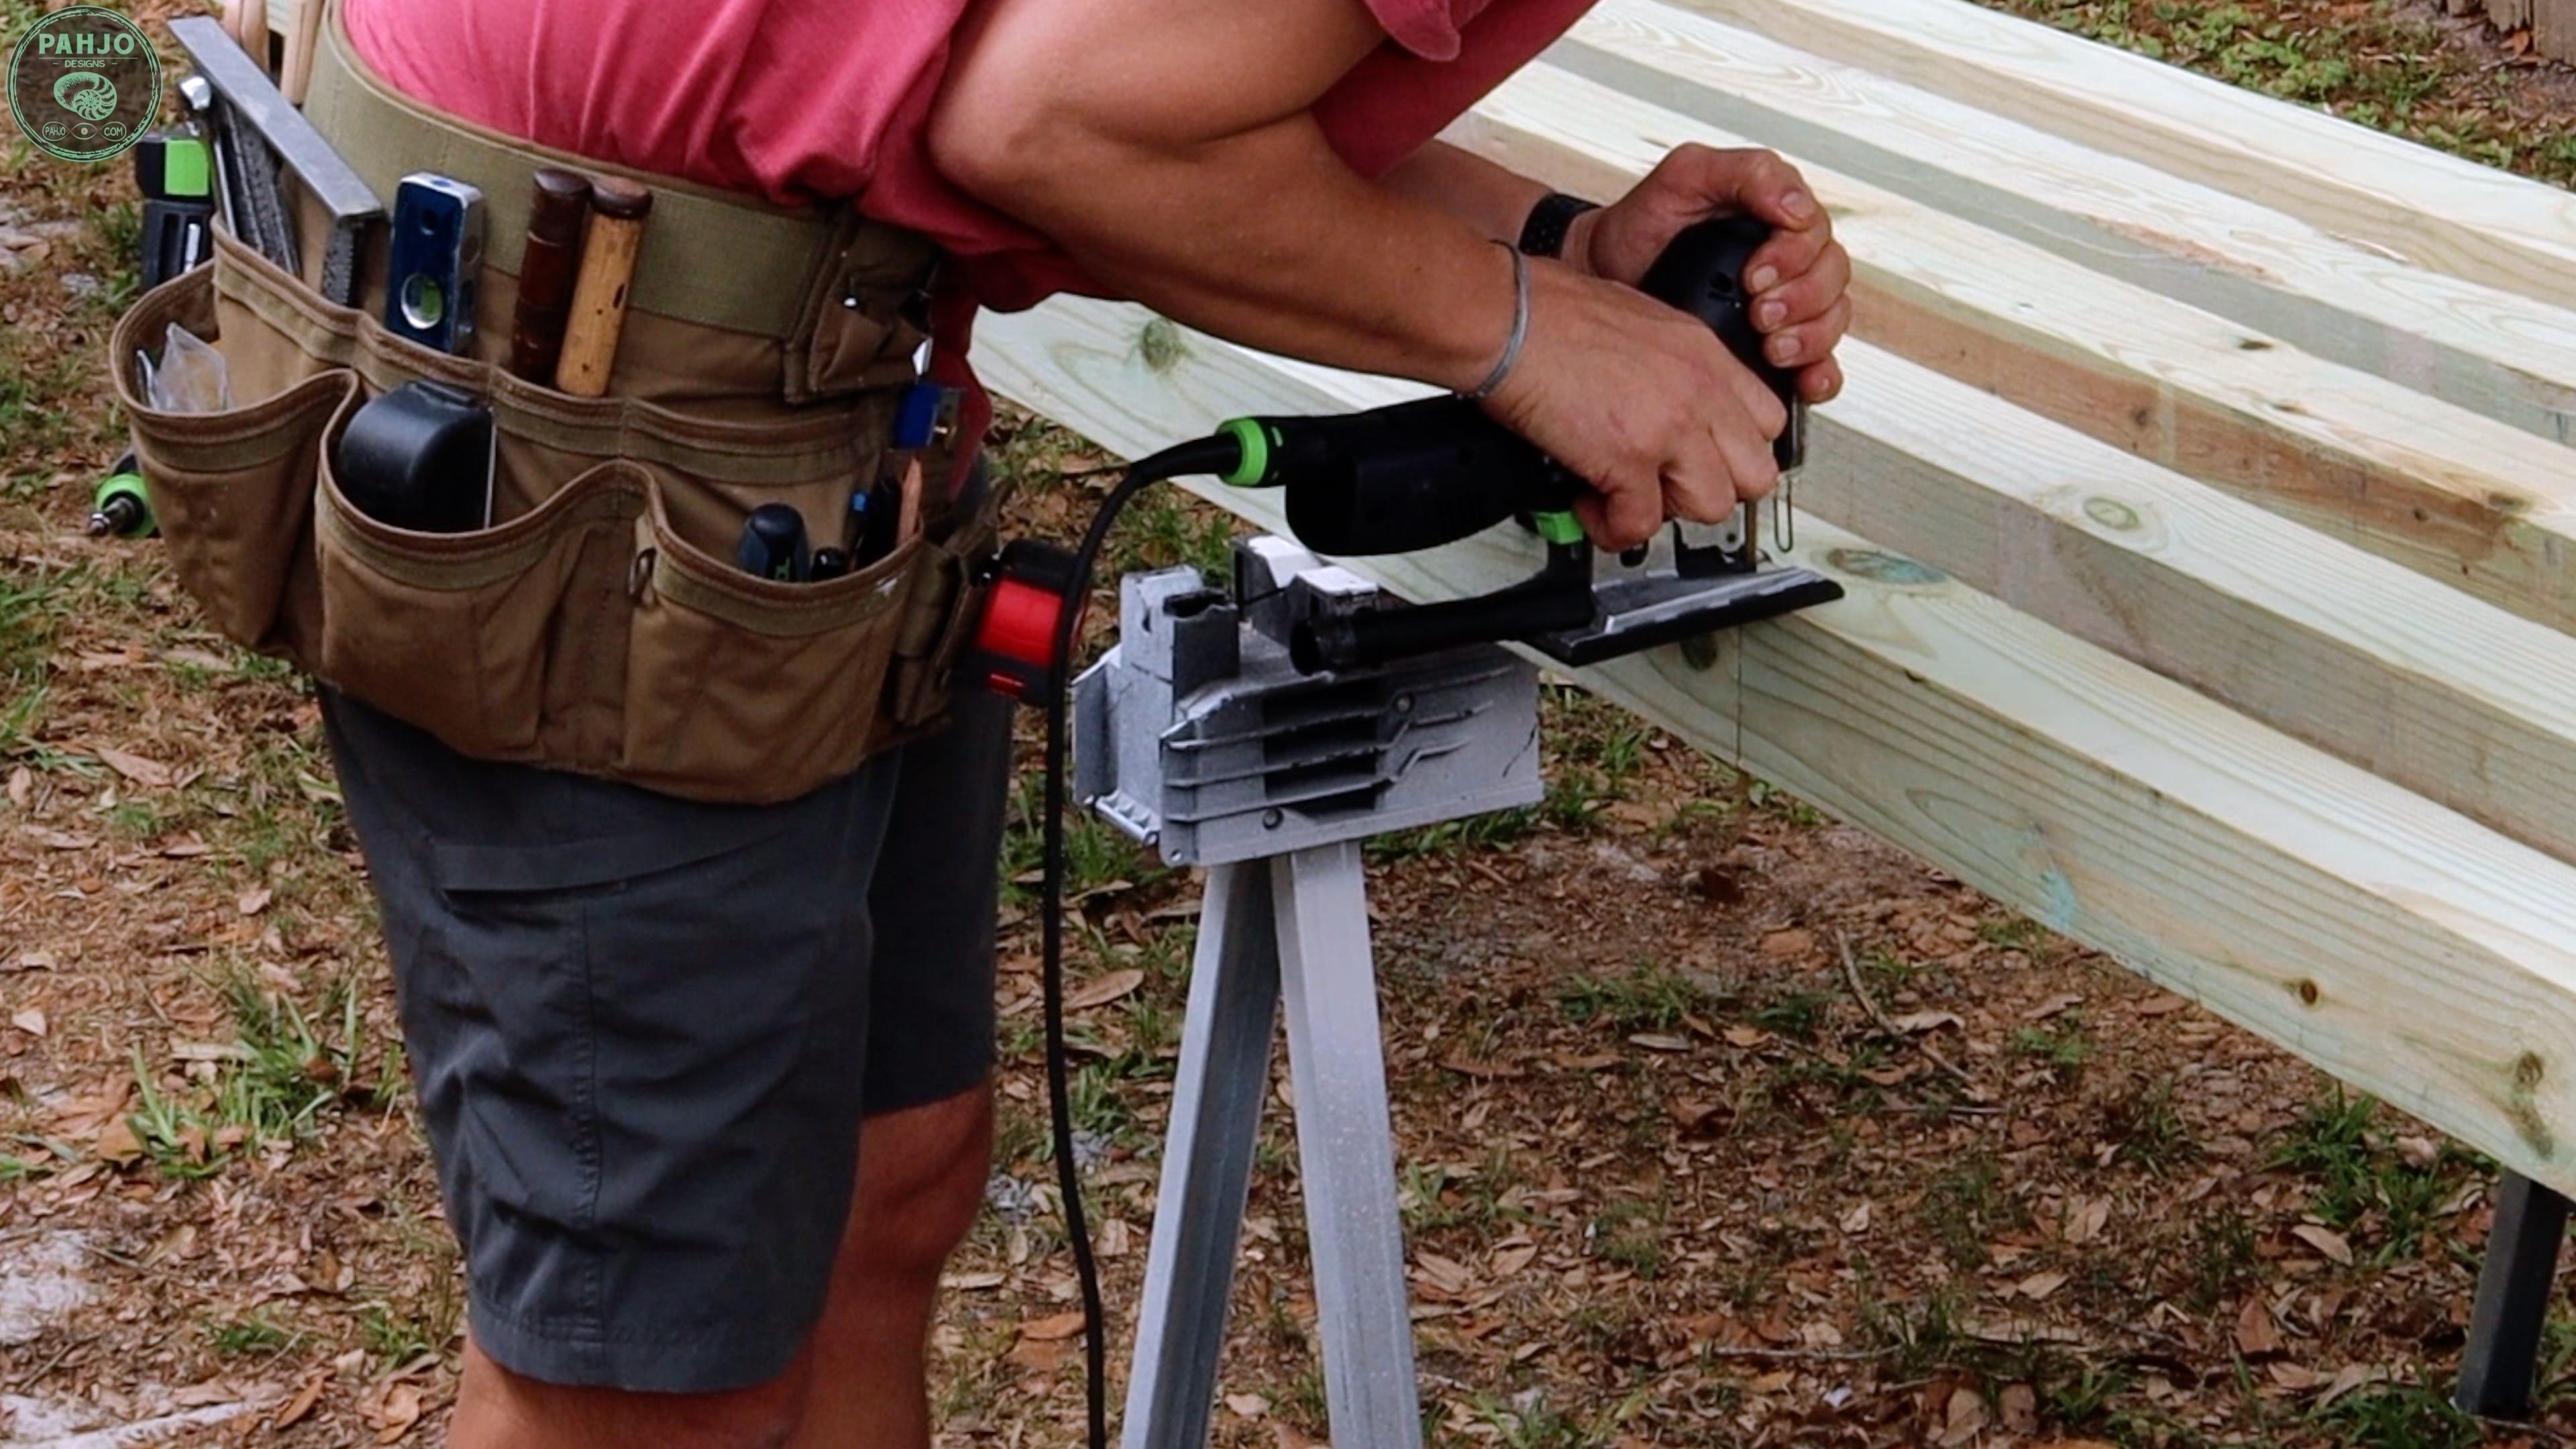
801 100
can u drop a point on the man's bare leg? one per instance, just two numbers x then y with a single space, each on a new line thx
921 1182
497 1409
860 1383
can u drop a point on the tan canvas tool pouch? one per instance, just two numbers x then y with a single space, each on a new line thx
599 625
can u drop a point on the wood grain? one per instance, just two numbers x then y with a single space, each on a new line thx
2494 352
2456 496
2430 209
2553 28
2343 650
2396 944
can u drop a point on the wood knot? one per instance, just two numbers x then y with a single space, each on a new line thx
1159 344
2308 992
2527 1070
1885 568
2111 513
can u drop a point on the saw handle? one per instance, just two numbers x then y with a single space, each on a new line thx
1701 271
1417 475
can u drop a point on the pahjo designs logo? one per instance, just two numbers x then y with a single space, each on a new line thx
84 83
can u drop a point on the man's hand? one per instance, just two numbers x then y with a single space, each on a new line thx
1798 278
1643 402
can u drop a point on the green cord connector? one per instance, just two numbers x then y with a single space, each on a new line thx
122 507
1252 468
1558 527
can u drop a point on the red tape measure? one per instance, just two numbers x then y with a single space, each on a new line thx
1014 647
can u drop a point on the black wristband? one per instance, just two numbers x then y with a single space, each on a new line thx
1543 235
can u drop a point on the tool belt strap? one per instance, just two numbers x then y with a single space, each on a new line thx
754 264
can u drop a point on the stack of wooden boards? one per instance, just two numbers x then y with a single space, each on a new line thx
2204 494
2552 23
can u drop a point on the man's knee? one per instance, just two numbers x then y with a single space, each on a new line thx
499 1409
921 1181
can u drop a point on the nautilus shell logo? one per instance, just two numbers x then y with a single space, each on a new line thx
84 83
86 94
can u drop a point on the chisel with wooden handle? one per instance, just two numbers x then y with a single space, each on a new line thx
618 210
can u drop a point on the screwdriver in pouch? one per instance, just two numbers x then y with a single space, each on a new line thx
773 545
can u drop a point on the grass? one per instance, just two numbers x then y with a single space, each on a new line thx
2399 1416
1165 527
1649 998
2013 933
2358 1175
1100 1109
395 1335
1096 853
1923 1337
2144 1123
2224 1258
1793 1014
2062 1046
2366 63
1493 830
1629 1233
1531 1421
28 625
254 1336
283 1077
283 811
1435 1197
1766 796
1966 1206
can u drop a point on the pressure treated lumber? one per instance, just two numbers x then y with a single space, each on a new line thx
2494 352
2455 496
2391 670
2553 28
2398 945
2433 210
2345 651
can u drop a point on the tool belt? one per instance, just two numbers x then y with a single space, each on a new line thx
599 625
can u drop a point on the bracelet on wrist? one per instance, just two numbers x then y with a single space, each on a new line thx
1520 328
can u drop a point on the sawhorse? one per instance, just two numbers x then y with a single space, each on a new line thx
2500 1364
1199 736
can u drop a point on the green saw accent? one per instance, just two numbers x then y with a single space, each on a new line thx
185 170
1558 527
1252 468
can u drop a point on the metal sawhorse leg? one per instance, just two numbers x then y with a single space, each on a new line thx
2498 1366
1297 926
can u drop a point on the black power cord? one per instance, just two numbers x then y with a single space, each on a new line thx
1206 455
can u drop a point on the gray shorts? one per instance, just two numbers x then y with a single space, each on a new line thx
644 1030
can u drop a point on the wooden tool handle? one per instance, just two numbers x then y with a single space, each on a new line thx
295 76
558 205
252 16
618 209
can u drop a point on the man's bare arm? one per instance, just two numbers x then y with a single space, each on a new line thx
1167 146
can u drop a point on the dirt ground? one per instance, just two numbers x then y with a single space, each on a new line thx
1720 1123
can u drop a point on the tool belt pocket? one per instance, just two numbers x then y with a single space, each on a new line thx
233 488
778 686
600 624
939 623
508 642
